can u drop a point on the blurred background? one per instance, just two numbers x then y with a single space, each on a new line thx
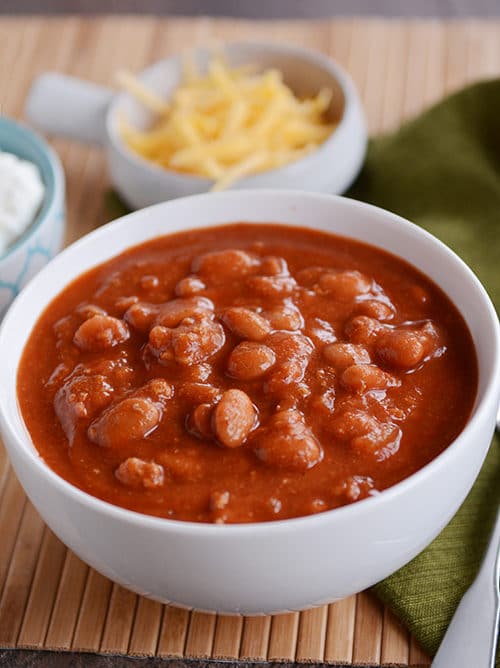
262 8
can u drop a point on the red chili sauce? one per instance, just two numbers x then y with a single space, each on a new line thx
246 373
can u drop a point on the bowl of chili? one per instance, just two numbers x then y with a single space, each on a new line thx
321 340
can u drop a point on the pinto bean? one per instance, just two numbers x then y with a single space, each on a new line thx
141 315
342 355
173 312
234 418
289 345
87 390
198 373
272 265
366 377
309 276
132 419
286 317
218 266
272 286
200 421
118 371
293 352
100 332
122 304
286 374
88 310
382 441
366 433
344 285
160 342
406 348
80 398
135 472
402 349
376 309
320 331
246 324
353 423
324 403
195 340
287 442
157 389
250 360
362 329
199 393
189 286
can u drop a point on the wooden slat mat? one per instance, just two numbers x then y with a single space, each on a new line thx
49 598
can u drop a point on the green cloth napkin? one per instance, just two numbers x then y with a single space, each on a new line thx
442 171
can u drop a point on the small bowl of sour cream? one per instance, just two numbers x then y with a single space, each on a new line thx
32 207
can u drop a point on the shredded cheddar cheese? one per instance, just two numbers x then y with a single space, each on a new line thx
228 123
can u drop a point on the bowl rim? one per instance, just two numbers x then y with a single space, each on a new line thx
320 60
25 446
52 190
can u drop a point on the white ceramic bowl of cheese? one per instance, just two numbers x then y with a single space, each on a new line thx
43 238
87 112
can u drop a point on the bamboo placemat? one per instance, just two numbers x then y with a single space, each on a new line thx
49 598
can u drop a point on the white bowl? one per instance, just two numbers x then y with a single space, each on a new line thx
84 111
44 237
274 566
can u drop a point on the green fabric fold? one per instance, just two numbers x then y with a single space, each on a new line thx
442 171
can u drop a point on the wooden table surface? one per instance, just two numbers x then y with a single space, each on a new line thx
48 598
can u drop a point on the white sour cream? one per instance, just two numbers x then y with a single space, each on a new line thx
21 194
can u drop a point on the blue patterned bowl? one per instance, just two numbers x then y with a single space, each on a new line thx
44 238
